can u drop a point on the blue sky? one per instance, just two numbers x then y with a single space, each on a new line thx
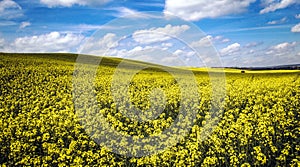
244 32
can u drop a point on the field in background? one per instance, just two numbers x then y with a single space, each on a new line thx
260 125
232 70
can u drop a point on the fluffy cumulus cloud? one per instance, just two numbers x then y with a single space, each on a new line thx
198 9
273 5
135 52
219 39
141 42
10 9
8 4
157 54
157 51
281 49
188 53
209 41
279 54
69 3
100 46
203 42
159 34
230 49
51 42
296 28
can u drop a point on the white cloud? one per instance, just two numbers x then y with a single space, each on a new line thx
230 49
99 46
8 4
283 20
24 24
203 42
180 52
136 51
123 11
153 54
209 40
218 39
250 55
225 40
194 10
156 54
167 45
297 16
281 49
108 41
159 34
69 3
296 28
253 44
272 5
266 2
159 53
279 54
51 42
10 9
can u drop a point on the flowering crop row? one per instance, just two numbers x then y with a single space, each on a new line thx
41 125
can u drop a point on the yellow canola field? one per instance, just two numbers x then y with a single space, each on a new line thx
42 123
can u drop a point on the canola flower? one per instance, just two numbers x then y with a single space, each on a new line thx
39 126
